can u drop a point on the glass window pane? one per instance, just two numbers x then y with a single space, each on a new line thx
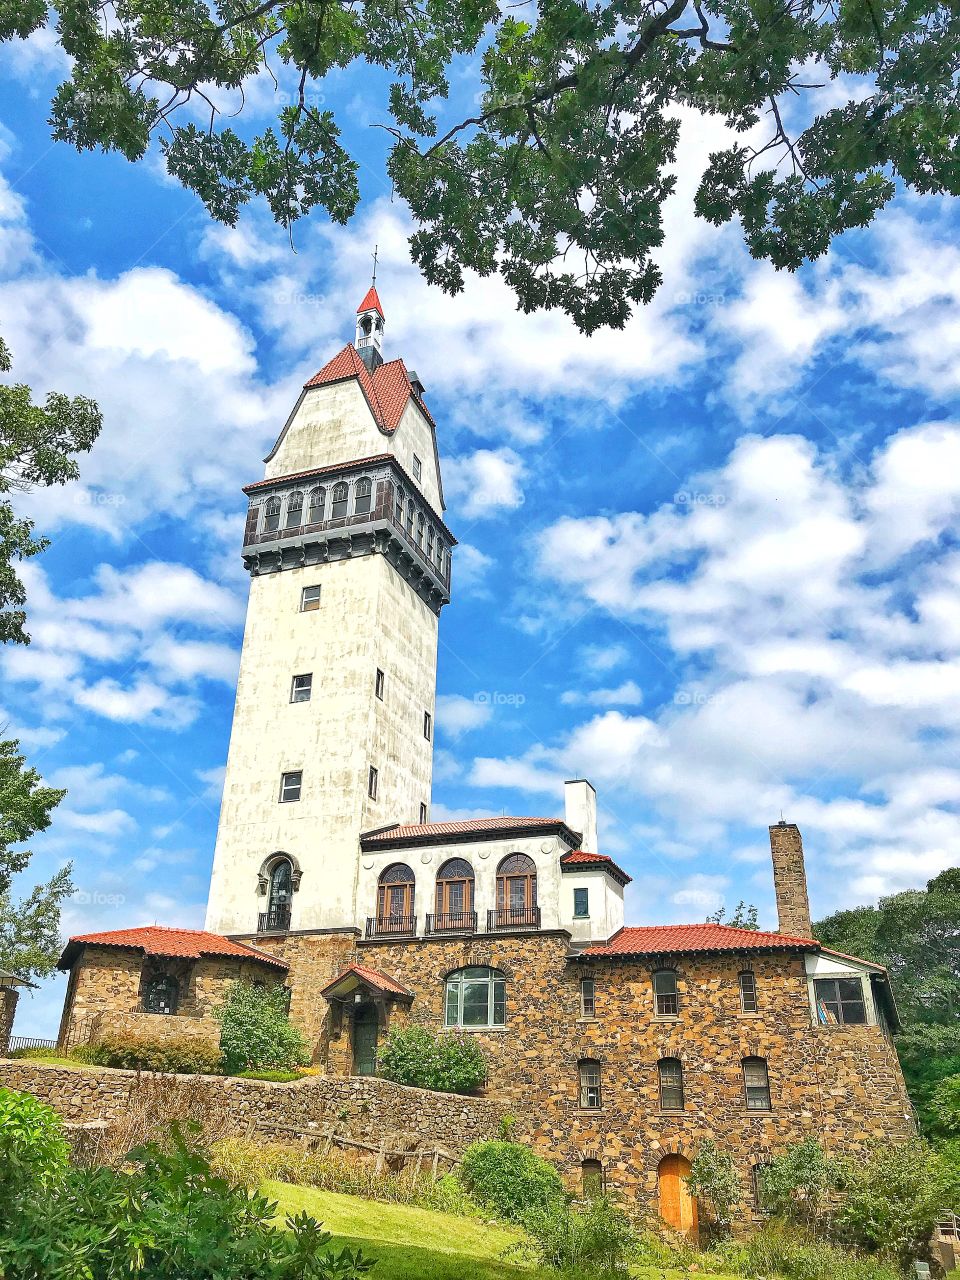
499 1002
476 1004
453 1002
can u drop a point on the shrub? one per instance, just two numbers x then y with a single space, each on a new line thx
37 1054
784 1249
447 1063
890 1200
510 1179
186 1055
798 1184
714 1181
597 1239
33 1148
256 1032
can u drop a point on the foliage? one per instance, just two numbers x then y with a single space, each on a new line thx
255 1030
945 1108
745 917
171 1218
558 177
596 1239
510 1179
448 1061
33 1148
786 1250
929 1054
184 1054
714 1181
797 1185
277 1077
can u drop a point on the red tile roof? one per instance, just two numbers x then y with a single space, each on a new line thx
353 464
371 978
387 389
473 826
157 940
580 858
667 939
371 301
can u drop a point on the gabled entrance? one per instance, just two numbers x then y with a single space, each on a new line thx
362 1001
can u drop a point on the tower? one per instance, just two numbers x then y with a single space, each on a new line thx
349 561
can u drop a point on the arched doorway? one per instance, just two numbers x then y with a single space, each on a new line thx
678 1208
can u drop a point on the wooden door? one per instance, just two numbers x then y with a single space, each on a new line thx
678 1208
365 1032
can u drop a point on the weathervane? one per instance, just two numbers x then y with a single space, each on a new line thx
376 248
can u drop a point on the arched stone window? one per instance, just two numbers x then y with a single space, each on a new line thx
590 1096
395 895
161 994
756 1084
295 510
338 509
666 996
454 900
271 515
279 894
317 497
670 1073
475 997
366 326
591 1179
361 496
517 891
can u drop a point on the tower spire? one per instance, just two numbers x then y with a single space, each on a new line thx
370 321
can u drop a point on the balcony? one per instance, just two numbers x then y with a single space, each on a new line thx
391 926
452 922
513 918
276 920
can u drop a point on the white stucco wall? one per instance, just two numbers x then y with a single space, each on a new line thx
821 966
605 903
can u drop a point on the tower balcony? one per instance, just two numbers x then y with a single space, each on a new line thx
513 918
276 920
391 926
451 922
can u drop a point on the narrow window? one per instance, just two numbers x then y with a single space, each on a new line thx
301 688
290 786
756 1084
840 1002
315 515
581 903
294 510
591 1179
417 469
338 508
161 995
670 1071
588 998
309 599
430 543
410 513
361 496
748 992
373 779
271 515
590 1085
423 813
398 512
759 1173
427 725
420 526
666 997
378 684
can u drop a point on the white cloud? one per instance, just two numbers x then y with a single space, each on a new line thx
485 482
457 715
628 694
599 659
142 703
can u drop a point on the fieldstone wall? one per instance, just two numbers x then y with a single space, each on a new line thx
364 1108
790 880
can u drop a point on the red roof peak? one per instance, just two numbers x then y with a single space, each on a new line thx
162 940
371 302
387 389
581 857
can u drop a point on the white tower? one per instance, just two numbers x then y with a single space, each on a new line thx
333 724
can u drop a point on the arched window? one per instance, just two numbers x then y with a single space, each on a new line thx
316 505
395 890
756 1084
420 529
410 511
361 496
294 510
516 890
454 902
161 994
280 894
430 543
665 994
748 991
271 515
670 1071
591 1179
590 1098
366 325
398 512
475 997
338 508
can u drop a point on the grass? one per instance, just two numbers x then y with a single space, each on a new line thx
410 1243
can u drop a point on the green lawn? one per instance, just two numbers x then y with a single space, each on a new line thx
418 1244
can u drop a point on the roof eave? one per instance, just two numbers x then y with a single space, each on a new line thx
478 835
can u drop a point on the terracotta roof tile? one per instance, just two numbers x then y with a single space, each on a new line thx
373 978
371 301
158 940
387 389
580 857
667 939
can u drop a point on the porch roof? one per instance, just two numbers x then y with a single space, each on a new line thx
357 976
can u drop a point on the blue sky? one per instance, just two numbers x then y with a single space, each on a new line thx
709 562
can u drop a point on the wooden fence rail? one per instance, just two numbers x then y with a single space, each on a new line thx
328 1136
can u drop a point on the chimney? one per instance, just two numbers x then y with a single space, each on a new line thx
580 806
790 880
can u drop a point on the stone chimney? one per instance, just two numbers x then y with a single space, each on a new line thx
580 805
790 880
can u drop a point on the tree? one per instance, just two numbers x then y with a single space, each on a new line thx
745 917
714 1182
558 178
255 1030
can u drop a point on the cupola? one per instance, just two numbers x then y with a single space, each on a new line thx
369 340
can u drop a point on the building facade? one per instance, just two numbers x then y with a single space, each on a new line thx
620 1049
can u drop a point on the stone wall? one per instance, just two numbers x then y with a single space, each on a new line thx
8 1011
366 1108
790 880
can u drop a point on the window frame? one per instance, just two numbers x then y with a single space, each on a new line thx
752 1092
373 782
417 469
428 726
839 1003
313 508
746 1000
592 1190
423 813
342 489
294 506
666 996
294 690
310 603
588 1002
671 1088
455 985
585 898
363 494
590 1084
379 681
272 511
286 785
168 981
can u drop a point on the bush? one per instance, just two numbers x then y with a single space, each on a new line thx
596 1240
186 1055
170 1218
714 1181
33 1148
38 1053
890 1201
509 1179
447 1063
255 1030
784 1249
798 1184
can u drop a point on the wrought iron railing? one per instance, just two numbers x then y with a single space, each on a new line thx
452 922
276 920
513 918
30 1042
391 926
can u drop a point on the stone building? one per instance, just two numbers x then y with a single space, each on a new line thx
620 1049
